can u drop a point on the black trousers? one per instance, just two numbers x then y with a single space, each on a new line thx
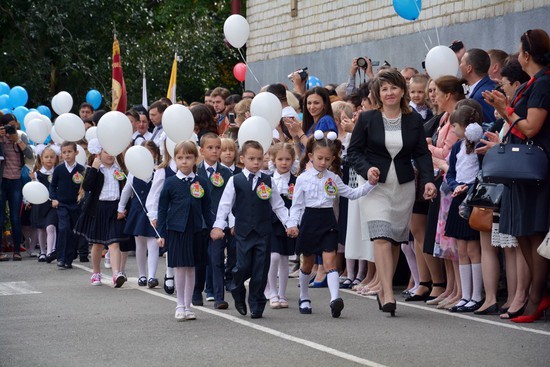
200 267
253 258
67 240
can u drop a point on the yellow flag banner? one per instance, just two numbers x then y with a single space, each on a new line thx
171 94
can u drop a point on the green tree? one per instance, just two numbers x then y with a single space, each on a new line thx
47 46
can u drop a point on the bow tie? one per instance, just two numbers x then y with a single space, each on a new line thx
422 108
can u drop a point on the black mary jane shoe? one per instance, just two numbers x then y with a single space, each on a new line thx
423 296
167 289
336 307
456 307
142 281
304 310
472 308
491 310
152 282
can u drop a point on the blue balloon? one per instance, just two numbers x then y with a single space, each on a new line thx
5 111
44 110
4 88
93 97
20 113
312 82
18 96
4 101
408 9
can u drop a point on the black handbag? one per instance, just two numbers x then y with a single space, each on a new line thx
485 195
508 163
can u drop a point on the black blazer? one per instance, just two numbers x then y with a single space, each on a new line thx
367 148
93 184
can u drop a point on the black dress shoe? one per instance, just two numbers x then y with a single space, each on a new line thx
472 308
456 307
61 264
241 307
167 289
197 300
336 307
84 259
256 315
304 310
51 257
68 266
221 305
491 310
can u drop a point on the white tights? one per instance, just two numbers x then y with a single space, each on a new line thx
185 283
278 266
46 238
147 248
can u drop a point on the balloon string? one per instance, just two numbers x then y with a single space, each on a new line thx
140 202
248 67
419 32
437 33
419 10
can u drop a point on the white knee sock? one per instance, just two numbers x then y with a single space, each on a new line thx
477 280
303 279
141 254
180 275
466 280
152 257
42 240
333 282
283 276
189 286
51 234
169 274
271 288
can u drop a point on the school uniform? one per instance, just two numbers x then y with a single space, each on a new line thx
43 215
463 169
137 223
216 177
231 260
313 209
252 197
184 205
98 222
280 242
64 187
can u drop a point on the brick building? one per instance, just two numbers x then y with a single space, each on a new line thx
326 35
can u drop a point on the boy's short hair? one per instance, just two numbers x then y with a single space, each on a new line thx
209 135
250 144
68 144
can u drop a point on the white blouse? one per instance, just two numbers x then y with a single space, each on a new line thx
111 189
316 189
152 203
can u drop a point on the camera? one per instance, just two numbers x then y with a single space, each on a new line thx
231 117
362 62
10 130
302 72
456 46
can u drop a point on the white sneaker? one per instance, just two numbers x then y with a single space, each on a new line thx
180 313
190 315
96 279
108 263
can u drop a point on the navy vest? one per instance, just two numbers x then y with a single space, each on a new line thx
252 214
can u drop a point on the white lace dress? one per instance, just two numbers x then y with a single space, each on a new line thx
389 205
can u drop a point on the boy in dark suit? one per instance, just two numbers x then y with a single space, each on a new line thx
216 177
64 189
252 197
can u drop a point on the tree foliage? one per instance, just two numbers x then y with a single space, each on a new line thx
47 46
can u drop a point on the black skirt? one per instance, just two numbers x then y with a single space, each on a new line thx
43 215
101 226
456 226
184 248
433 217
280 243
137 222
318 232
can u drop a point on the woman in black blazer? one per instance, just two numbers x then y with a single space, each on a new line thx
382 147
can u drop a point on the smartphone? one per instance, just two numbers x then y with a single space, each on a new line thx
457 46
231 117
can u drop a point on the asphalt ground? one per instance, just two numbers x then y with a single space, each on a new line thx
52 317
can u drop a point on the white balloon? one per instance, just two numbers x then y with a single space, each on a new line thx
178 122
258 129
268 106
91 133
70 127
139 162
47 123
114 132
236 30
81 157
170 146
35 193
31 116
440 61
55 137
37 130
62 102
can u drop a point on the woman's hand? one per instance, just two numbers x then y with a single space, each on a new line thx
373 175
294 126
497 100
430 191
492 140
459 190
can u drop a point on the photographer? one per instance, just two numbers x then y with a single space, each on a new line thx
299 80
15 149
359 63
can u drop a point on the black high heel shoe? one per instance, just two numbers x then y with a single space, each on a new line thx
423 296
390 307
378 300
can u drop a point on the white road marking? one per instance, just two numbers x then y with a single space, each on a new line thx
484 320
16 288
361 361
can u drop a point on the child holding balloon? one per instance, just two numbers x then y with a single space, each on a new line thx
99 222
43 217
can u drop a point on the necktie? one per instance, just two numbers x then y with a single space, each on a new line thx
251 179
210 171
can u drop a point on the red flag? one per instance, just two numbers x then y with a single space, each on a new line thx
119 88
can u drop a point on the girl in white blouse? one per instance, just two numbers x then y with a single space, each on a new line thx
315 192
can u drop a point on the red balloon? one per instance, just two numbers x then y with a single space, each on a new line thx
239 71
